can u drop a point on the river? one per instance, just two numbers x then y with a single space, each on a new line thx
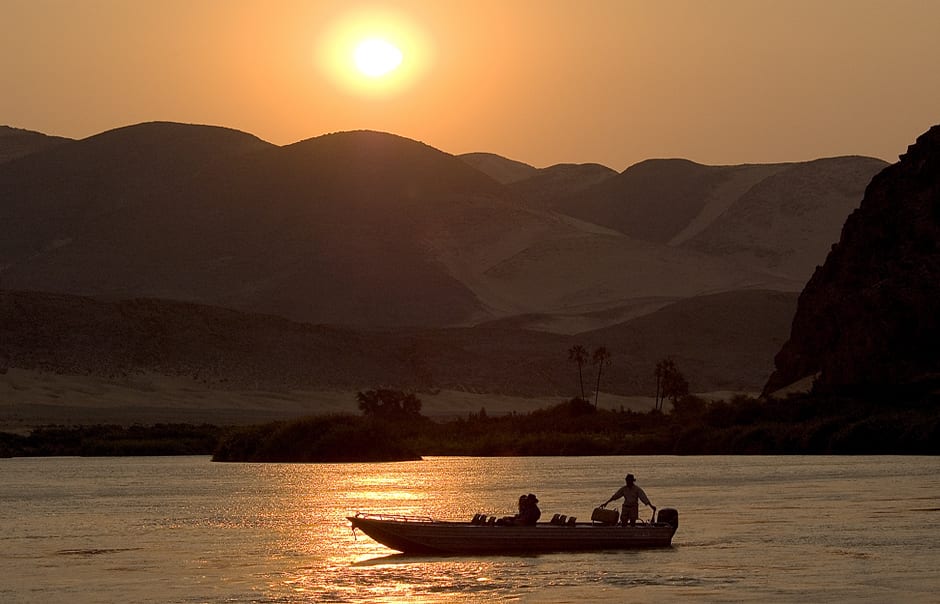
184 529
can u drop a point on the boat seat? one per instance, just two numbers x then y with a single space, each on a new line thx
562 519
491 521
477 518
554 519
572 521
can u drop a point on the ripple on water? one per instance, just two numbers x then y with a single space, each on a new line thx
94 551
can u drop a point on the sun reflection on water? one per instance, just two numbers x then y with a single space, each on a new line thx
312 501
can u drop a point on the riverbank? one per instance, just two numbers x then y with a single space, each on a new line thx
796 425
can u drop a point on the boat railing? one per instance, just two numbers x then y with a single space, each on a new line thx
395 517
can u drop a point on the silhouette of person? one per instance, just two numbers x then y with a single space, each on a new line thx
632 495
523 504
532 512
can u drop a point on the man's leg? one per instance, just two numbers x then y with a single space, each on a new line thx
630 515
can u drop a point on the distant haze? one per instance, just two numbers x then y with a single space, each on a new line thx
611 82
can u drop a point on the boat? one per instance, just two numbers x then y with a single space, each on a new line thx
482 535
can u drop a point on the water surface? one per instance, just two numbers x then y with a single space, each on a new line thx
183 529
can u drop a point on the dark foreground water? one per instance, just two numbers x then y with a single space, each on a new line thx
183 529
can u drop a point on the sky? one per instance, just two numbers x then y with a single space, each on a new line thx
539 81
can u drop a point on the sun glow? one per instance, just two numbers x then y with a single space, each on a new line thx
374 53
375 57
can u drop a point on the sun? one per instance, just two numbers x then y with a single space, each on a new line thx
376 57
374 53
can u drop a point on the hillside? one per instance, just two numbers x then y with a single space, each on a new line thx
76 217
652 200
778 219
725 342
548 184
16 142
719 341
500 169
788 221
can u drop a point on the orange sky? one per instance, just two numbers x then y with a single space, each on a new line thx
549 81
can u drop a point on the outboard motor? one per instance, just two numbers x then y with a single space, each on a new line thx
670 516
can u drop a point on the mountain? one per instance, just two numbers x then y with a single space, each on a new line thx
537 186
16 142
499 168
867 320
652 200
314 230
444 245
779 219
355 228
788 221
66 196
560 180
346 231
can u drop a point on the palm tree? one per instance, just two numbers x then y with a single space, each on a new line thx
662 371
600 358
579 355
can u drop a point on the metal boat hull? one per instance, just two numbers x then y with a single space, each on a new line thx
439 537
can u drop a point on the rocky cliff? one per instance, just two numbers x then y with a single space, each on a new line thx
867 321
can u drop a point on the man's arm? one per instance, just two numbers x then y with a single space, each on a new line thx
616 495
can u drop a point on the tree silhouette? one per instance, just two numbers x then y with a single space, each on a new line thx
600 358
389 404
670 383
579 355
663 367
675 387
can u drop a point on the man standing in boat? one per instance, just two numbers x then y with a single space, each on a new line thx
632 495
